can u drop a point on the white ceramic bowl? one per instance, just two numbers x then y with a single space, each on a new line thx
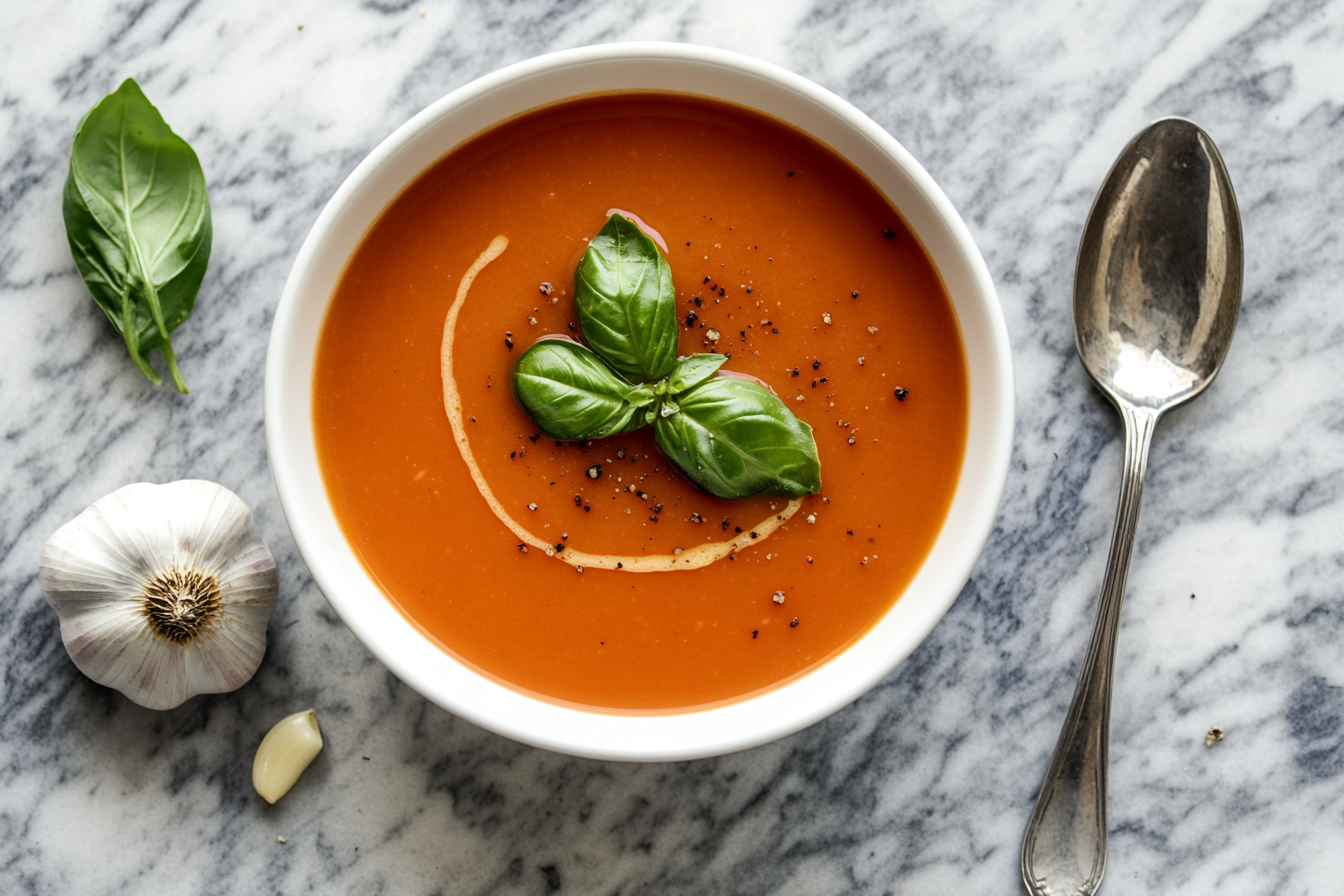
636 66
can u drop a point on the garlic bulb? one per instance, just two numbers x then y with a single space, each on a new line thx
163 591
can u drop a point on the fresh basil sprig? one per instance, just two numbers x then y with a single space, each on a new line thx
626 304
138 222
729 435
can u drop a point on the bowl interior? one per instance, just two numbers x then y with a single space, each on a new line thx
499 96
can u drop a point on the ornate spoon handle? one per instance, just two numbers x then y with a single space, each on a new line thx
1064 850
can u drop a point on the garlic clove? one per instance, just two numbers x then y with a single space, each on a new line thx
163 591
287 749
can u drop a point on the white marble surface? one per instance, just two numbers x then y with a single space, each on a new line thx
925 784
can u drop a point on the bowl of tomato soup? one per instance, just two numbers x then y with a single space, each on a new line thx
805 245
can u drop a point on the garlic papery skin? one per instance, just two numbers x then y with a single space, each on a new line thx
287 749
163 591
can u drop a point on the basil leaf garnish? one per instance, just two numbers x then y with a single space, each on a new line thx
626 304
729 435
570 394
734 438
692 371
138 222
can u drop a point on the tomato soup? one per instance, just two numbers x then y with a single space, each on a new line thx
785 259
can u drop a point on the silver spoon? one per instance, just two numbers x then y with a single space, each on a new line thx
1155 299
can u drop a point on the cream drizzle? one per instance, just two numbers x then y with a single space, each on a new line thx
690 558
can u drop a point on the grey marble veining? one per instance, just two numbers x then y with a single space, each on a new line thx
1235 614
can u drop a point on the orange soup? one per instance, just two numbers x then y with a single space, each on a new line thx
784 258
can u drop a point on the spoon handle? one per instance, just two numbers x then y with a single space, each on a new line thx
1064 850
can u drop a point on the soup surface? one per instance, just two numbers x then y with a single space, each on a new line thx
785 258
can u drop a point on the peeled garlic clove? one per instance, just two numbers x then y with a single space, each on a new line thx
163 591
285 751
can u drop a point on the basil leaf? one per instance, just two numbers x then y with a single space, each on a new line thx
570 394
138 222
626 304
734 438
692 371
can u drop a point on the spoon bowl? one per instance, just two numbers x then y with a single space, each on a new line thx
1158 283
1156 295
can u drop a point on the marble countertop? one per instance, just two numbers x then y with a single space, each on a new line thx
1235 610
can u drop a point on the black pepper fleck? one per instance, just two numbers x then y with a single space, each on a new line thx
889 233
691 319
754 633
534 437
794 623
816 365
725 524
902 394
854 295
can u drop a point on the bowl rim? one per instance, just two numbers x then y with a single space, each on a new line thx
447 681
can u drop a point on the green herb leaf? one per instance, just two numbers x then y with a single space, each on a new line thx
626 304
138 222
692 371
570 394
734 438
